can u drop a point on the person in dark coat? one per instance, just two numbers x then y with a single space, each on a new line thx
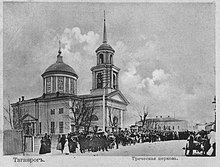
191 144
43 148
74 145
62 141
103 142
48 143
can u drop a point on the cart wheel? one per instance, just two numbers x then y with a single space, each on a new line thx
186 148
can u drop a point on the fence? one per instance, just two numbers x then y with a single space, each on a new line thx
12 142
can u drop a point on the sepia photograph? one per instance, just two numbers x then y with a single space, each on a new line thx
85 79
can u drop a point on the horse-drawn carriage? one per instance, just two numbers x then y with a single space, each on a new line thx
198 143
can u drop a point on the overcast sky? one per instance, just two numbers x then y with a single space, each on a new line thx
166 52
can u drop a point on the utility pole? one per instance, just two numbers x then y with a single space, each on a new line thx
214 102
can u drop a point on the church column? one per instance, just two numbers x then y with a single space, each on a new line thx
93 80
45 85
121 118
107 117
97 60
44 91
117 76
51 84
70 114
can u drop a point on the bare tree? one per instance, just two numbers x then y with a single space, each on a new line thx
83 114
143 113
8 116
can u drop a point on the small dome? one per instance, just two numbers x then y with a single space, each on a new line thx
60 68
105 46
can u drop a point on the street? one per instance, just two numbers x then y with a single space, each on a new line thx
164 148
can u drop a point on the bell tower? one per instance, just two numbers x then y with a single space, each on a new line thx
105 73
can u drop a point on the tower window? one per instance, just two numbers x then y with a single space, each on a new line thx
114 81
101 59
99 80
111 62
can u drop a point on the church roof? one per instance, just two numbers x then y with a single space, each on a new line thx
105 46
60 67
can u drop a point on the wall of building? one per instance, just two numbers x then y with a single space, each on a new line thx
169 125
45 116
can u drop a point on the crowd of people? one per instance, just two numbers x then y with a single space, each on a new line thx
103 141
45 144
202 141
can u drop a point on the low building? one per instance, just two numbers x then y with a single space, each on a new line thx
165 124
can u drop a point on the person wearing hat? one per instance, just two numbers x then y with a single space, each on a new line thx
191 144
62 141
211 138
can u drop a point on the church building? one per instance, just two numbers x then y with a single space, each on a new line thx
51 112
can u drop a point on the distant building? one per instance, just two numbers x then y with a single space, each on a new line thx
50 113
164 124
204 126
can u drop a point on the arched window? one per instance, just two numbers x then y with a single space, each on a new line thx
111 62
114 81
101 59
99 80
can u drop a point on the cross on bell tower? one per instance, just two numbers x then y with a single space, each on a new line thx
105 73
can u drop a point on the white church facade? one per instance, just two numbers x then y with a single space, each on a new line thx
50 113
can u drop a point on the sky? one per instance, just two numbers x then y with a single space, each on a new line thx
166 52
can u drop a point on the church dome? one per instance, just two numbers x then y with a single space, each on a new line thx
60 68
105 46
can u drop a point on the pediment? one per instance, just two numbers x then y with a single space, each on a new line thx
118 96
28 117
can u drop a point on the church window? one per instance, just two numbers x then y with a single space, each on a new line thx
60 110
48 84
52 111
111 62
101 59
99 80
60 84
114 81
54 84
52 127
67 85
71 85
60 127
40 127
